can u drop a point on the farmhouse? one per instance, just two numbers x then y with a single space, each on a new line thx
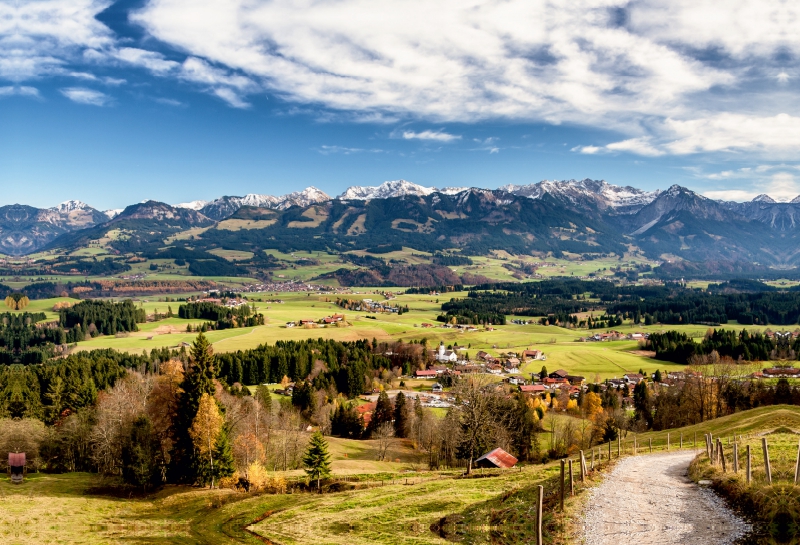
425 373
497 458
533 389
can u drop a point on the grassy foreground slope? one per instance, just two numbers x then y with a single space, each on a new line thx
70 508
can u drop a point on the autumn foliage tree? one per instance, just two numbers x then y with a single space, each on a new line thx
205 430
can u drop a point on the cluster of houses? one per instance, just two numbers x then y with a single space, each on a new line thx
615 336
369 305
332 320
461 328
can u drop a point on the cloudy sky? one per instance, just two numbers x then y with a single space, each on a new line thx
114 102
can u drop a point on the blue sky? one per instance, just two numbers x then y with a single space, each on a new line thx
176 100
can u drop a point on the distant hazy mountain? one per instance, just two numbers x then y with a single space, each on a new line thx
24 229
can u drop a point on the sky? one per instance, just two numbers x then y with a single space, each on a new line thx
113 103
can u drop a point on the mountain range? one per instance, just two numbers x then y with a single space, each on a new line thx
575 216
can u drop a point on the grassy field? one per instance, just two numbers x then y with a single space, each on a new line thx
392 502
561 346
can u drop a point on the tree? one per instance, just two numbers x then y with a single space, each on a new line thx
197 382
224 465
384 412
476 415
543 372
657 376
205 432
641 403
139 454
400 415
592 405
316 460
384 434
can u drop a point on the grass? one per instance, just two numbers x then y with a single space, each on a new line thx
561 346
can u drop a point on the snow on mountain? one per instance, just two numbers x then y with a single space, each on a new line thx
70 206
308 196
113 213
578 192
765 199
453 190
193 205
395 188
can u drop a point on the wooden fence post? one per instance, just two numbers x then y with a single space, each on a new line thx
582 463
694 443
722 456
767 467
609 451
681 439
749 466
562 484
667 440
592 459
539 516
571 481
797 466
651 445
735 457
619 446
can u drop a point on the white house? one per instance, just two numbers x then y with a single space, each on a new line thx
445 355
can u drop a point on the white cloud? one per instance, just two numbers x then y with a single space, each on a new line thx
82 95
20 90
778 181
329 150
738 195
671 77
438 136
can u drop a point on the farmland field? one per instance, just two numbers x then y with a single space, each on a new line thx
561 346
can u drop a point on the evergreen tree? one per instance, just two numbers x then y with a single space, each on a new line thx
316 459
543 373
198 380
657 376
400 416
224 465
139 453
384 412
641 403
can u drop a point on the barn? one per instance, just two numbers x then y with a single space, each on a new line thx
497 458
16 466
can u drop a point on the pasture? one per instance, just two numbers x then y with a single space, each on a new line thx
562 347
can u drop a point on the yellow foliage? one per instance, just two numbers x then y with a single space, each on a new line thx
592 404
572 405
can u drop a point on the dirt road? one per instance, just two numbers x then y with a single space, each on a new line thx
649 499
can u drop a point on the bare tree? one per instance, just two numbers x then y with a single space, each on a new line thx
383 435
475 402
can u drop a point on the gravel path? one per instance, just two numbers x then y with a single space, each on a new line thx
648 499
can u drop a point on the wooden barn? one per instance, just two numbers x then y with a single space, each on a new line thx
497 458
16 466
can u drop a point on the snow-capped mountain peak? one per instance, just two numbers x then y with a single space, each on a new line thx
70 206
113 213
604 195
395 188
765 198
192 205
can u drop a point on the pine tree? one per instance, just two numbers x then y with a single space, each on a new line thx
139 454
543 373
316 459
384 412
400 415
224 465
198 381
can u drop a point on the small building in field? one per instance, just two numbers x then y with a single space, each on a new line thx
16 466
497 458
437 388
